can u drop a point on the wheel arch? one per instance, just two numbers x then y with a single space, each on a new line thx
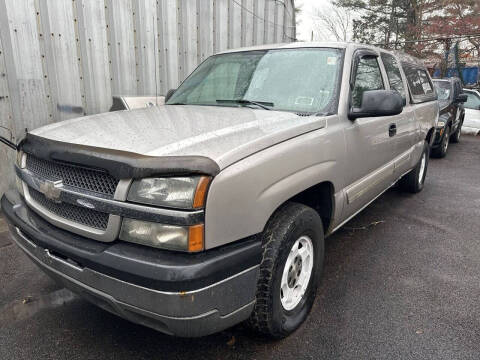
429 138
320 197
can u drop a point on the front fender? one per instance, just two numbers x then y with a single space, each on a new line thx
243 196
446 118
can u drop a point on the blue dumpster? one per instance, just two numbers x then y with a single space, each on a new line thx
470 74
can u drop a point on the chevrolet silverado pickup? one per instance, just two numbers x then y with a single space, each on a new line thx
212 209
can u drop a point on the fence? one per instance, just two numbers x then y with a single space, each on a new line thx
61 59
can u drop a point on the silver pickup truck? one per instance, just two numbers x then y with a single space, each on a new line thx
212 209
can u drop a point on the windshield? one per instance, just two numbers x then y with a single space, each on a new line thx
299 80
443 89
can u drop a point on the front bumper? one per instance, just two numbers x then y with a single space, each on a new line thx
177 294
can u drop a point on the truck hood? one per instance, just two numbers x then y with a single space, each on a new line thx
223 134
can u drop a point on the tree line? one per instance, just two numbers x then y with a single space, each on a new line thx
424 28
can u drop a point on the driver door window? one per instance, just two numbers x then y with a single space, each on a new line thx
367 77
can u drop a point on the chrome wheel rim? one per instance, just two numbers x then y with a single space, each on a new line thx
446 140
296 273
422 168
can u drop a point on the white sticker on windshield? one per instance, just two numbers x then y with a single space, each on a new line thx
304 100
331 60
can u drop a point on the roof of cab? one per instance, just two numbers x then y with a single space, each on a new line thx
292 45
339 45
450 79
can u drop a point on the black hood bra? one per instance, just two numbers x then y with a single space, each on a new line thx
119 164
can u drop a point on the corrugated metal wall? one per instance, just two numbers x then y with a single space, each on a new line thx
61 59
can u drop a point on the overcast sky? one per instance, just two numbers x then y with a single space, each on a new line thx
305 27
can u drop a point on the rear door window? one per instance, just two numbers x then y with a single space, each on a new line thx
414 82
367 77
393 74
419 84
426 84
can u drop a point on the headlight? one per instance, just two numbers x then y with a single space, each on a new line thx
163 236
441 124
175 192
20 161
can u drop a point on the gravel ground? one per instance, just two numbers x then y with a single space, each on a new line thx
401 280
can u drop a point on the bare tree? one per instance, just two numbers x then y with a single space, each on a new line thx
337 21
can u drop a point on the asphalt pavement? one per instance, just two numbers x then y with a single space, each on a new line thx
401 281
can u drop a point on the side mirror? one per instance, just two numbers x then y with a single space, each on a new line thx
461 98
169 94
378 103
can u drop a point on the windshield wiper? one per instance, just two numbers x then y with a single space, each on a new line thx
263 104
320 113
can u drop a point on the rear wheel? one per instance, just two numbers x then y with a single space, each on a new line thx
414 181
455 138
293 250
441 151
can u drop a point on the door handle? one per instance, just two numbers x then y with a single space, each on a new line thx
392 130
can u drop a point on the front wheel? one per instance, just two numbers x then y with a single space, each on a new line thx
414 181
441 151
293 250
455 138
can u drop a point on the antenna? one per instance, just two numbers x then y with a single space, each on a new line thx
155 60
7 142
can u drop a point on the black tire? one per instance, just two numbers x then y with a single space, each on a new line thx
287 225
455 138
414 181
441 151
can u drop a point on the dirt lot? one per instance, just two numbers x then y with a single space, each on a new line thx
401 281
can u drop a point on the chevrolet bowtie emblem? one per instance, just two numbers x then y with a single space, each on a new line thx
51 190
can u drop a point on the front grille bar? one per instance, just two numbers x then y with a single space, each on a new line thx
134 211
77 214
84 179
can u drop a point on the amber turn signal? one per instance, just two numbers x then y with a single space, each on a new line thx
201 192
195 238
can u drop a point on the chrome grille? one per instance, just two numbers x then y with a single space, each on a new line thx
87 217
78 177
